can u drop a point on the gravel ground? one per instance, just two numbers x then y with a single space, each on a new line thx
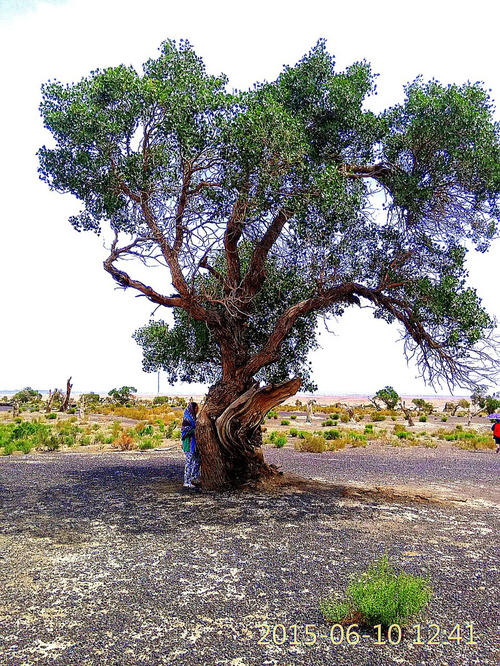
104 559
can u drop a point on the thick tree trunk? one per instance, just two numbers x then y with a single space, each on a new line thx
228 432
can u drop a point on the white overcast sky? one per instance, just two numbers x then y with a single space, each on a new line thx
60 312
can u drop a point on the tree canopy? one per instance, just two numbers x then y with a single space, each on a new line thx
273 206
389 396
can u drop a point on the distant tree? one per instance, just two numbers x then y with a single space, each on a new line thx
91 399
122 395
26 395
388 396
488 403
259 206
423 406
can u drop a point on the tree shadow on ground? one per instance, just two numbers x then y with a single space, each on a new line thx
134 498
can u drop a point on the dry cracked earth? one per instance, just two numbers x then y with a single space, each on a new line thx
105 560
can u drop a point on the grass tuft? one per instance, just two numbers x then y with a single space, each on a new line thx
380 596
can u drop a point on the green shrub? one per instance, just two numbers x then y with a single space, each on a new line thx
293 416
293 432
399 427
378 417
357 439
169 430
327 423
51 443
444 419
51 416
422 419
344 418
279 441
332 434
116 429
18 419
368 428
380 596
335 416
176 434
303 434
147 443
25 445
72 410
8 448
285 422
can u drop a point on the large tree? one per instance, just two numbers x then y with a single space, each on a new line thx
271 207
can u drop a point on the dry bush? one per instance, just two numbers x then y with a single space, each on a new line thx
142 412
311 443
124 442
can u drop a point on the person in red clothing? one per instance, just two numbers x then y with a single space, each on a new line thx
496 434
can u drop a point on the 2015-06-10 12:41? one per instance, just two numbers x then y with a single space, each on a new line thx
278 634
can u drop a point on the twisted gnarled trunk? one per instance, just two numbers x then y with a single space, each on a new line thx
228 432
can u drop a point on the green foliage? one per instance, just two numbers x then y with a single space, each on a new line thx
91 399
27 395
161 400
466 439
378 417
331 434
171 428
285 422
148 443
423 406
8 448
489 403
327 423
116 429
293 432
51 416
388 396
380 596
123 395
293 417
444 419
277 439
368 428
422 419
302 149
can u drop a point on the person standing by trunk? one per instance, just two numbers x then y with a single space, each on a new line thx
192 466
496 434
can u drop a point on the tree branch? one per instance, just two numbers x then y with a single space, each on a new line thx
255 274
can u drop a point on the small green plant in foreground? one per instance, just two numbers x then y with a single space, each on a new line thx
379 596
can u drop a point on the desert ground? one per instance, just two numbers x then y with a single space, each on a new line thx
105 559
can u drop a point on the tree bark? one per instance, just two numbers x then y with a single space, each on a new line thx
65 403
228 432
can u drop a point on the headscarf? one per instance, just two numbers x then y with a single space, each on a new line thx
188 425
